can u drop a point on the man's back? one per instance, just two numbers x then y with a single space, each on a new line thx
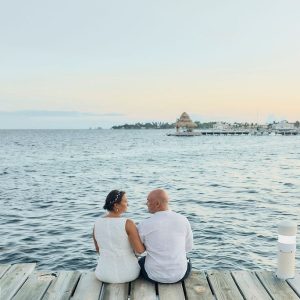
167 236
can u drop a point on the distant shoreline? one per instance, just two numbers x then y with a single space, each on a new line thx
212 125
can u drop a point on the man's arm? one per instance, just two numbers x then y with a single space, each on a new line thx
189 240
140 231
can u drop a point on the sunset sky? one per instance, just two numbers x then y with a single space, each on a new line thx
81 64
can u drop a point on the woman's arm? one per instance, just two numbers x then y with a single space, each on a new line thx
95 242
133 236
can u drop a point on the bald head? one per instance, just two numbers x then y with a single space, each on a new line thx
157 200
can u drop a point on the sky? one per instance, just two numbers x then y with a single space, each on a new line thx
82 64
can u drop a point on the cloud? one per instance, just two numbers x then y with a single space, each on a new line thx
56 114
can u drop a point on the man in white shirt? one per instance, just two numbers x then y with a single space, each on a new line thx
167 237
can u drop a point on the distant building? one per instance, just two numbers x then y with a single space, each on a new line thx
185 123
283 125
264 126
221 126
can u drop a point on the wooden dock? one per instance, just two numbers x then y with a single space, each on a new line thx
210 132
233 132
23 282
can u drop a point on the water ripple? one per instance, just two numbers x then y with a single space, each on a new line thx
234 190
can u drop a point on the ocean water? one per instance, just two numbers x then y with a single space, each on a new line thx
233 189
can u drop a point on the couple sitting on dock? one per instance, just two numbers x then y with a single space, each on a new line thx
166 237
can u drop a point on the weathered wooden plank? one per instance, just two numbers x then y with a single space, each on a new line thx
250 286
295 283
14 278
223 285
197 287
63 286
34 287
142 289
171 291
278 289
115 291
88 288
3 269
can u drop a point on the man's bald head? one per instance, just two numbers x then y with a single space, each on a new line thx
157 200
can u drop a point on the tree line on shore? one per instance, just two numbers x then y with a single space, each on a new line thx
204 125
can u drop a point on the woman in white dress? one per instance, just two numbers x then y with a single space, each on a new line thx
116 239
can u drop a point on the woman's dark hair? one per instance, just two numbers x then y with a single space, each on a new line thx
115 196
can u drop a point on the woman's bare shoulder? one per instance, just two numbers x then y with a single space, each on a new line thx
130 225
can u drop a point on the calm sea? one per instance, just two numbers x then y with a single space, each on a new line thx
233 189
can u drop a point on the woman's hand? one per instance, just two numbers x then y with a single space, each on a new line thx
133 236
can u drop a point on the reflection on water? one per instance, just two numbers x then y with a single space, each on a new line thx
234 190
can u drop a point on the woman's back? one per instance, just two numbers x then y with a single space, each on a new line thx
117 262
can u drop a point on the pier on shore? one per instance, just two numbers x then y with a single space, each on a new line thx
23 282
232 132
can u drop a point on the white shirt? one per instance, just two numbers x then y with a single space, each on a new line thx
167 237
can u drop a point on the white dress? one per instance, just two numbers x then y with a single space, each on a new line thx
117 262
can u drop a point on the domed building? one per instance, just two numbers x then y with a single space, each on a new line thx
185 123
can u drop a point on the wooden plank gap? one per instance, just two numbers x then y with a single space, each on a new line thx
129 289
101 297
75 285
294 283
278 289
34 287
249 285
14 278
184 290
63 286
256 274
197 287
4 269
88 287
239 288
224 286
209 283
